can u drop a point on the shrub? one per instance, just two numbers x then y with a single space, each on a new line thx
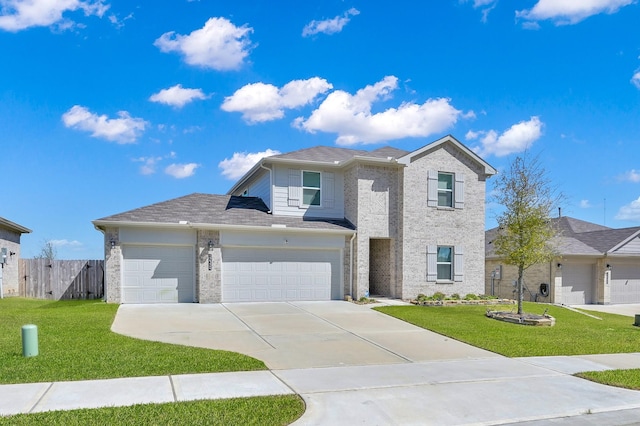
438 295
455 296
471 296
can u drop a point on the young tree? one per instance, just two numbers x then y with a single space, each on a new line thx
525 228
48 251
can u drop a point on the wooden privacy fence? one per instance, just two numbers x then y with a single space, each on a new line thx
61 279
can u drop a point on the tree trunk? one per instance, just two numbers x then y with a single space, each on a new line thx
520 289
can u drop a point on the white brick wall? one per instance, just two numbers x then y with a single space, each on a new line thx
423 226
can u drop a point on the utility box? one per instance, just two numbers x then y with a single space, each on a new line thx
29 340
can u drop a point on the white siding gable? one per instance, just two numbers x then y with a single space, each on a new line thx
287 193
632 247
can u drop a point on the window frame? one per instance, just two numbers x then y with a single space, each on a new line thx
452 202
318 188
450 263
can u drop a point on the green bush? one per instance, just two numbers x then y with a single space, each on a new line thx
438 295
455 296
471 296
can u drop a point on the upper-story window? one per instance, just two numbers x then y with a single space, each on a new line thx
311 188
445 190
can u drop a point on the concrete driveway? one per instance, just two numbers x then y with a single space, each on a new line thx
629 310
289 335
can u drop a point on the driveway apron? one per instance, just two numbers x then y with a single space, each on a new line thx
290 335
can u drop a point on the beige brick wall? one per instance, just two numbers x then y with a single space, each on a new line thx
423 225
112 266
208 282
10 280
532 278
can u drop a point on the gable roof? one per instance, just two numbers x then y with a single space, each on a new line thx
329 156
579 238
488 169
217 211
12 226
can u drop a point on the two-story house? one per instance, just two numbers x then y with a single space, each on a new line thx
320 223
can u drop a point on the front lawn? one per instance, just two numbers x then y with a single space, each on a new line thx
573 334
76 343
266 410
629 379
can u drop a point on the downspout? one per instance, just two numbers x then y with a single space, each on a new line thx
351 265
270 186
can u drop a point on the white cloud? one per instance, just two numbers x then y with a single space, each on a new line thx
148 166
219 45
635 80
16 15
241 162
517 138
181 171
329 26
351 118
630 212
177 96
585 204
565 12
259 102
486 6
125 129
65 243
631 176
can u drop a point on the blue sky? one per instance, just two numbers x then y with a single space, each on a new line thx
106 106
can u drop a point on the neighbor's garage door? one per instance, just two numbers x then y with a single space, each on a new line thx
625 283
251 275
577 283
158 274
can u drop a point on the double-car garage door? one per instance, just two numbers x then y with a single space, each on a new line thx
251 274
166 274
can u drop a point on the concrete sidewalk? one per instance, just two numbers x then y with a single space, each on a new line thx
494 390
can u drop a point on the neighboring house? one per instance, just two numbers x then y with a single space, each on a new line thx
596 265
315 224
10 233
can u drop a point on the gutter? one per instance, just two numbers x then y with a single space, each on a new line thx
212 226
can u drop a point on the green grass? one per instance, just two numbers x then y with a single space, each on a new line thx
76 343
629 379
573 334
267 410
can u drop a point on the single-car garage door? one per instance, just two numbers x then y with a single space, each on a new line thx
625 283
158 274
252 275
577 283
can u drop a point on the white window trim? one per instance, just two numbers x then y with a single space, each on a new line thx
451 265
310 187
452 190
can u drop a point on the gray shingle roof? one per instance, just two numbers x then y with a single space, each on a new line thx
213 209
577 237
330 154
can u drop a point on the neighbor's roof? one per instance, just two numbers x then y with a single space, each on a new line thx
217 211
577 238
5 223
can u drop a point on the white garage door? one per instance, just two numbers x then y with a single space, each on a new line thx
577 283
158 274
625 283
279 275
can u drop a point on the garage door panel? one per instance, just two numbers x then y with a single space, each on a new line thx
625 283
577 283
158 274
279 274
